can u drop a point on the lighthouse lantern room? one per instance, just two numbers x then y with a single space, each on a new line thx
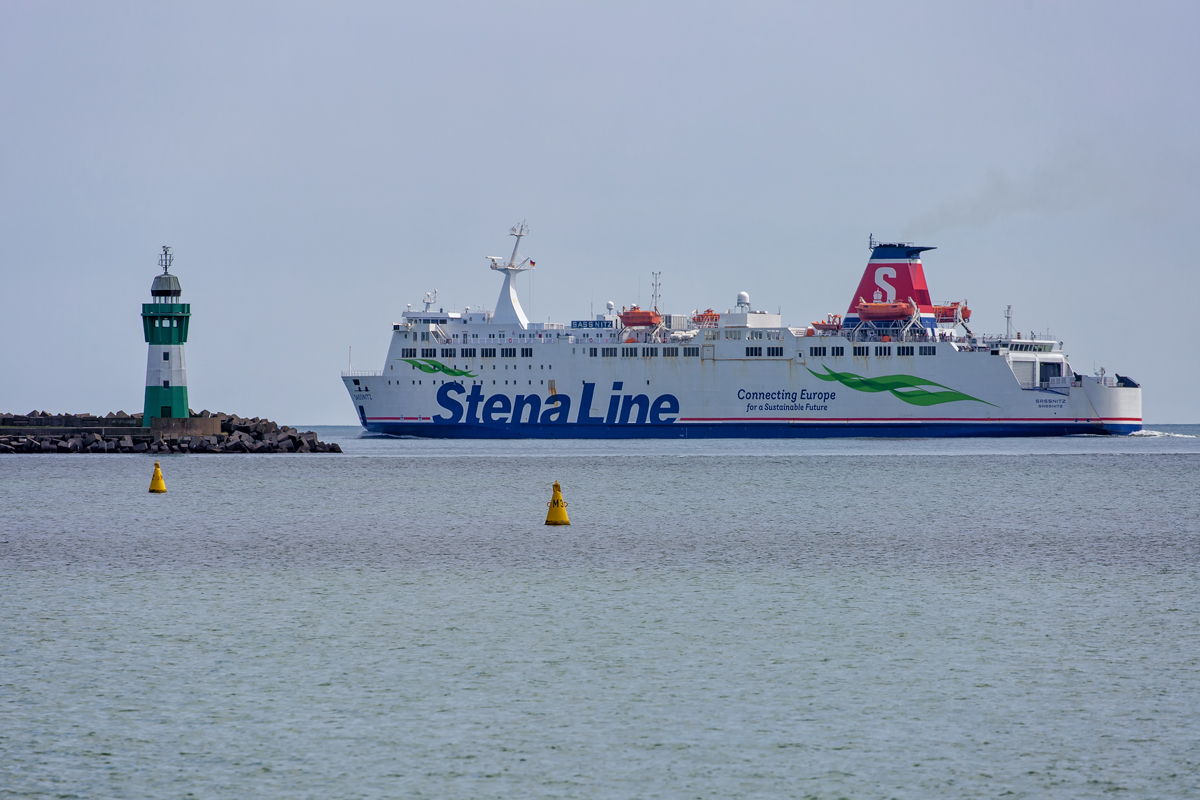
165 321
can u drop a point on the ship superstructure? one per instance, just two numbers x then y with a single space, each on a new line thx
897 363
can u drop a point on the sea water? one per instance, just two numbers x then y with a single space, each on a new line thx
858 618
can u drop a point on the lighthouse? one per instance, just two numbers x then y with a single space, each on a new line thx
165 321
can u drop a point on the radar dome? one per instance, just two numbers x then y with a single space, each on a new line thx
610 305
743 298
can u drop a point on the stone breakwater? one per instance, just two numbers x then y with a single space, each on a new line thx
39 432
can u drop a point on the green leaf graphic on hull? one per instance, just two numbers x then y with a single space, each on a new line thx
431 366
905 387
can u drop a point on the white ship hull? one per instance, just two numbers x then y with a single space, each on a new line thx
496 376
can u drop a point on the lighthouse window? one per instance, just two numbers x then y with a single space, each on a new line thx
166 356
166 384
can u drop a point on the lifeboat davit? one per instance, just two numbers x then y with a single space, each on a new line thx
948 312
833 322
637 318
705 319
874 311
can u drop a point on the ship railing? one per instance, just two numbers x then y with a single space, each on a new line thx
362 373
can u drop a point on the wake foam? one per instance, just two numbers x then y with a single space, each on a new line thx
1163 433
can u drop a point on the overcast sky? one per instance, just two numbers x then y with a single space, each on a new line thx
316 167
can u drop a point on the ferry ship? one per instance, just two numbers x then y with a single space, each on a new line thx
896 363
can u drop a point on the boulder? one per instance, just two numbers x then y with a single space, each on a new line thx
334 447
127 441
61 447
140 447
7 448
286 446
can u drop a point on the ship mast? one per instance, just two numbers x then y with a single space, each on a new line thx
508 307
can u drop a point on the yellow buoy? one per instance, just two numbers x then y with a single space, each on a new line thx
557 515
157 485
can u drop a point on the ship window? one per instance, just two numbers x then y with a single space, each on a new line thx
166 356
835 351
774 352
816 352
408 352
711 335
649 352
754 334
508 352
429 352
592 352
526 352
356 383
753 351
904 350
608 352
487 352
860 351
732 334
447 352
927 350
691 352
670 352
468 352
883 351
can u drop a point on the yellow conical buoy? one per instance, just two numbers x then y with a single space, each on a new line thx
557 515
157 485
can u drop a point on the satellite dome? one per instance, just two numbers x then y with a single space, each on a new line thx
610 305
743 298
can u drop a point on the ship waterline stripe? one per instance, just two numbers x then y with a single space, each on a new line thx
843 420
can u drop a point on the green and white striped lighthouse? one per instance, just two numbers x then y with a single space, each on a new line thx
165 321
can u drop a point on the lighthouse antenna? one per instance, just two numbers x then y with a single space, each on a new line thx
165 259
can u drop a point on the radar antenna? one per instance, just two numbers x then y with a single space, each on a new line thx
430 299
655 286
165 259
518 230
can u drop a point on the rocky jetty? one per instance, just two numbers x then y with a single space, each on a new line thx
40 432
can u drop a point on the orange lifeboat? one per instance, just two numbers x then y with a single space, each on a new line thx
833 322
637 318
948 312
874 311
706 319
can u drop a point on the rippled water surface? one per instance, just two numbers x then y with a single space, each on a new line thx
861 618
